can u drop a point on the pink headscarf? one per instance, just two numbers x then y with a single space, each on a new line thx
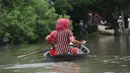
62 24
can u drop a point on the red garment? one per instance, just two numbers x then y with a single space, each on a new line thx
62 41
52 37
53 52
74 50
61 24
62 37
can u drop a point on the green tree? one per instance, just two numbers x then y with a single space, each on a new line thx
26 20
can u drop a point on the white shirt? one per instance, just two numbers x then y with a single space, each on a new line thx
119 21
128 19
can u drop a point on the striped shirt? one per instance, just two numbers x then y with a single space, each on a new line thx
62 40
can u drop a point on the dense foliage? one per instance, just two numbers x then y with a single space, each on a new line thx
25 20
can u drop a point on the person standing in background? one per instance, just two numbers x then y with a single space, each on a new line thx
90 19
129 22
120 23
83 30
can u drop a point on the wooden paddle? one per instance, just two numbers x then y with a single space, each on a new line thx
32 53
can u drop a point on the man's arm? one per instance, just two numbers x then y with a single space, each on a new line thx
73 40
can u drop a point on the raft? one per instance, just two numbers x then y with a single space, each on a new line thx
68 57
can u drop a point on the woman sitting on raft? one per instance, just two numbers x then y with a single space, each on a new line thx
62 36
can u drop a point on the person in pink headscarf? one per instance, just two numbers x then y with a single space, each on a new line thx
62 36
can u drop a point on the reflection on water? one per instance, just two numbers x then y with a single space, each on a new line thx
33 65
55 67
65 68
109 54
110 45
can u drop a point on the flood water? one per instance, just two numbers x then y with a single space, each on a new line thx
109 54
